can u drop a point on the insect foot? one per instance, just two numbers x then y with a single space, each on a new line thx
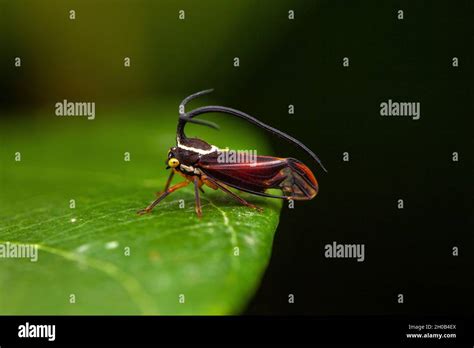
143 211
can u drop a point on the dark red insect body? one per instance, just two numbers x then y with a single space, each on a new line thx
199 163
287 174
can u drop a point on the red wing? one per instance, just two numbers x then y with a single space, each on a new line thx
287 174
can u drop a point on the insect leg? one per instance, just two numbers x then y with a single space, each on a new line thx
198 199
236 197
162 196
168 182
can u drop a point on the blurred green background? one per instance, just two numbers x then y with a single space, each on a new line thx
83 58
295 62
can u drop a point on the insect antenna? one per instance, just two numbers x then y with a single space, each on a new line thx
251 119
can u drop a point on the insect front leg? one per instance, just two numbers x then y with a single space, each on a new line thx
168 182
162 196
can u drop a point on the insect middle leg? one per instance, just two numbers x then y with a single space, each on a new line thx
162 196
236 197
197 186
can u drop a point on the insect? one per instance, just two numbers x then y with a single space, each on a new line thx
198 162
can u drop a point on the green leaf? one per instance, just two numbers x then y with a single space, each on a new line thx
83 264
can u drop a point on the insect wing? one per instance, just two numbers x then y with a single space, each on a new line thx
287 174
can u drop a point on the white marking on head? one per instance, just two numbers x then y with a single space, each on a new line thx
199 151
186 168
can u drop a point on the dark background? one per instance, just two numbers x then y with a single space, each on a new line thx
299 62
407 251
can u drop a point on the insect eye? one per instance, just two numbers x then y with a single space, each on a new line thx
173 162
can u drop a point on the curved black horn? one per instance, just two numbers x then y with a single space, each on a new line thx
251 119
186 119
186 100
183 119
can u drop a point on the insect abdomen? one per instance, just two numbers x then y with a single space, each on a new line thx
299 182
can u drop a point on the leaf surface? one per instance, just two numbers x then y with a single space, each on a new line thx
75 197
